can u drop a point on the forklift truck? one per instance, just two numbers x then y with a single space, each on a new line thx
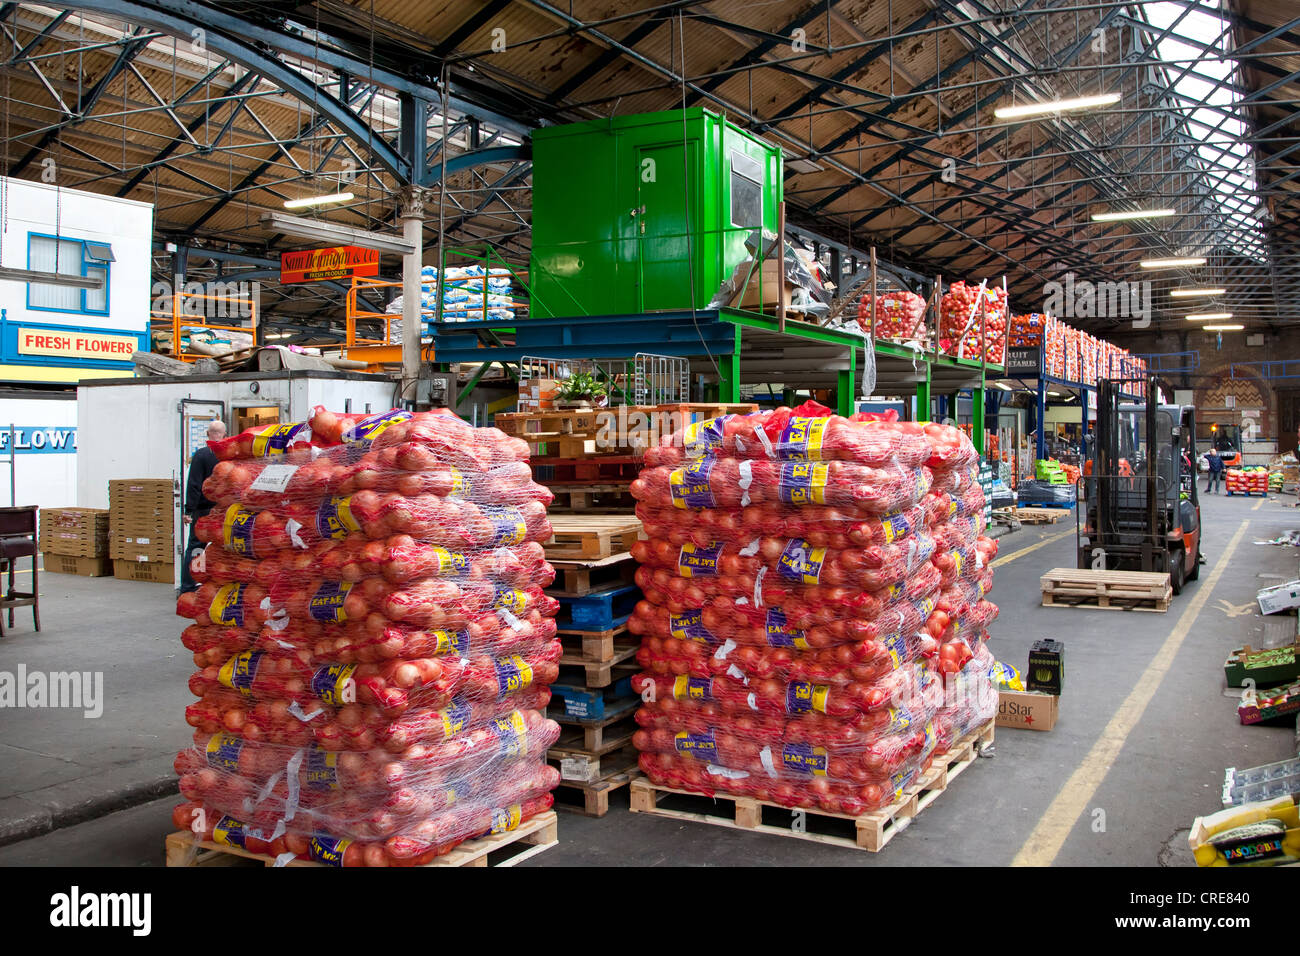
1138 504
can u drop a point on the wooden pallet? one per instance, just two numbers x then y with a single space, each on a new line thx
527 840
590 537
1110 590
599 611
596 647
573 742
596 734
579 578
619 770
1035 515
872 831
611 498
598 657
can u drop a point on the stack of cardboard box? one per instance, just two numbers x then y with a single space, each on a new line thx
75 541
141 516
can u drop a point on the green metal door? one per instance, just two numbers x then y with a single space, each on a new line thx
665 215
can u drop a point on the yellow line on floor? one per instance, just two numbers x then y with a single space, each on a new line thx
1054 826
998 562
1258 503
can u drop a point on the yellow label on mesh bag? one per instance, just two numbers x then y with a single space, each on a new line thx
223 752
802 439
274 439
505 819
454 716
240 671
449 562
334 518
449 643
692 688
328 850
237 530
230 832
331 684
513 674
228 606
512 735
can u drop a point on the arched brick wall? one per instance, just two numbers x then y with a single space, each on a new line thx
1250 391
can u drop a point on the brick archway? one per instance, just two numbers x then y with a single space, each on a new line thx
1248 388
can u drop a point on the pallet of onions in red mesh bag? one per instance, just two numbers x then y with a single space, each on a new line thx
900 316
813 586
373 646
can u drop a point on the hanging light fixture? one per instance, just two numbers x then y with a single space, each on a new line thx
1172 263
52 278
1187 293
317 200
1124 214
1027 110
1209 316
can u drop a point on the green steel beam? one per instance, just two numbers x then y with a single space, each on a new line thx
923 396
977 415
729 385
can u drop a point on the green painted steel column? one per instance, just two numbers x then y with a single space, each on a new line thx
845 381
729 366
923 396
977 415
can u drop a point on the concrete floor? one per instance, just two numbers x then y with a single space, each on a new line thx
1150 773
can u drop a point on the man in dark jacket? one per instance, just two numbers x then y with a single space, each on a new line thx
197 506
1216 471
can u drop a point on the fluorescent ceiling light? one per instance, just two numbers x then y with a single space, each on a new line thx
802 166
1055 394
320 230
278 335
317 200
1003 385
1133 214
1209 316
1172 263
1223 328
1055 106
51 278
1185 293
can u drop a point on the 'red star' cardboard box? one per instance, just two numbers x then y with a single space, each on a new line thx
1027 710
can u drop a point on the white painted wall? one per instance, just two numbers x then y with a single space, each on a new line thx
45 465
126 225
132 429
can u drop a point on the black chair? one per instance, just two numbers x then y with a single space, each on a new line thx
18 540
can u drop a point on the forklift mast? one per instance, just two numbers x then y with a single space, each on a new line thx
1105 510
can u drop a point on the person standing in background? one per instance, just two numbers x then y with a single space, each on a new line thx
196 505
1216 471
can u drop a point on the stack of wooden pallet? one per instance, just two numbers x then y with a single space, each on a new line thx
593 697
589 457
1110 590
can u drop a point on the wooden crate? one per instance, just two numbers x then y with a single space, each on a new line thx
528 839
589 537
871 831
1110 590
579 578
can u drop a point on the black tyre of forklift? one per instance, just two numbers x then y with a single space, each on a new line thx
1177 571
1195 573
